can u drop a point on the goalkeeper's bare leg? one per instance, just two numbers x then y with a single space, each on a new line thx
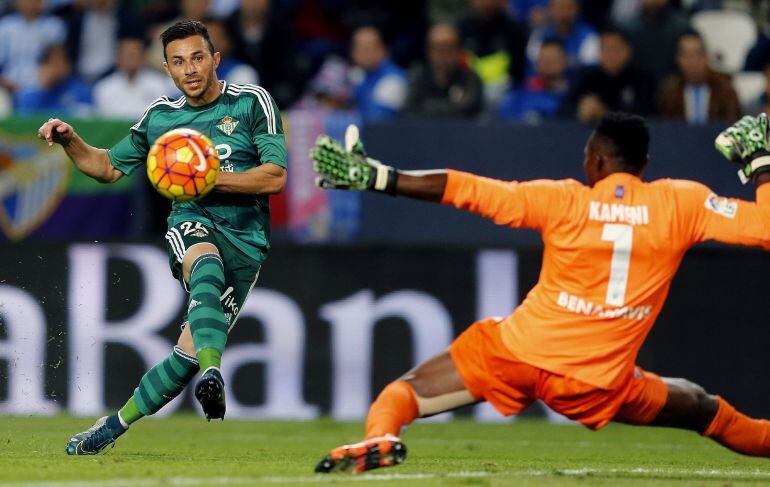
432 387
688 406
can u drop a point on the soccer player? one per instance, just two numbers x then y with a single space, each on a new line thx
611 249
216 245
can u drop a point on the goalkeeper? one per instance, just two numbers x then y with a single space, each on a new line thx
612 247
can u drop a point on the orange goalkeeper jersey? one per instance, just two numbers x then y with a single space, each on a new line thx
610 254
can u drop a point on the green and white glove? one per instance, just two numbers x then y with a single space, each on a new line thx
348 167
747 142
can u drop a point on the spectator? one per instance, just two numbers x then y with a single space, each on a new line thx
94 27
613 85
263 39
402 23
231 69
697 93
444 86
544 92
24 36
58 91
654 35
579 39
330 87
132 87
379 85
496 44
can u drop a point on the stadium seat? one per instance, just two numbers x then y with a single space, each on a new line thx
728 35
749 86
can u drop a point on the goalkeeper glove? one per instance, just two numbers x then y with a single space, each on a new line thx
348 167
747 142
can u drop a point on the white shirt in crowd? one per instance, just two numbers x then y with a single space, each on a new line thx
98 41
23 41
118 97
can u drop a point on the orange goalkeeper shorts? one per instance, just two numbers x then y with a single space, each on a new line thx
491 372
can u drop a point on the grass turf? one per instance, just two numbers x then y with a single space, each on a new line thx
187 451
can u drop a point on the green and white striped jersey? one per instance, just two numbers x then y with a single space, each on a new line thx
245 125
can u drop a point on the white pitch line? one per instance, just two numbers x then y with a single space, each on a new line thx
318 479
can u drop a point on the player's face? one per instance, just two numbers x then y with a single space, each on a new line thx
192 67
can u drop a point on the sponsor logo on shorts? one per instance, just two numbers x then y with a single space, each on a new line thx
721 206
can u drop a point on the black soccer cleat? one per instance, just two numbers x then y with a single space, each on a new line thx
97 438
210 393
384 451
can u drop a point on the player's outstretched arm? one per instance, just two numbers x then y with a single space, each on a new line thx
91 161
265 179
349 168
520 205
729 220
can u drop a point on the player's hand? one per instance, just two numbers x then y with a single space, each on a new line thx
56 131
744 138
747 142
348 167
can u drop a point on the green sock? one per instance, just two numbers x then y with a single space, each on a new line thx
160 385
207 319
208 357
130 412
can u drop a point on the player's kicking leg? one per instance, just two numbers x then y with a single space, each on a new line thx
431 388
203 271
688 406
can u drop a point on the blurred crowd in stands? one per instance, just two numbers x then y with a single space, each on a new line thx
518 60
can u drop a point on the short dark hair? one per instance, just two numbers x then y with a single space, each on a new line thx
184 29
613 30
53 49
554 41
692 33
628 136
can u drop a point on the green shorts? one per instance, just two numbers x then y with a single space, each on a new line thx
241 272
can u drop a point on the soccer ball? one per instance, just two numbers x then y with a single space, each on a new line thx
183 165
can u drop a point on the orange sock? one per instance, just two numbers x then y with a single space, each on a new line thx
738 432
395 407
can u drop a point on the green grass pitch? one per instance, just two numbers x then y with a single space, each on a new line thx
184 450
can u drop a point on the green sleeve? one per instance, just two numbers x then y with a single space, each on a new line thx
267 130
131 152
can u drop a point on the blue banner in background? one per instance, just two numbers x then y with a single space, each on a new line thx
316 215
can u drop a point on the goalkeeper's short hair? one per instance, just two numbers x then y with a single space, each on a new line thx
628 136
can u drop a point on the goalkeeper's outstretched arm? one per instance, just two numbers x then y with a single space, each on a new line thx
421 185
349 168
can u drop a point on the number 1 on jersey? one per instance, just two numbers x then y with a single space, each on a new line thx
621 237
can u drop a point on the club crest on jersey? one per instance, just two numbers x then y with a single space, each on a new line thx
620 192
227 125
721 206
